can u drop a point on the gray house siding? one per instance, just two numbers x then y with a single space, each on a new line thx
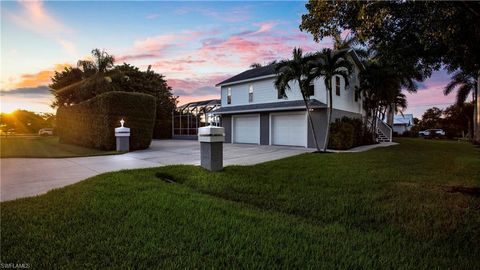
264 128
320 121
227 125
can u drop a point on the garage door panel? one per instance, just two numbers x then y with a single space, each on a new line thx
246 129
289 129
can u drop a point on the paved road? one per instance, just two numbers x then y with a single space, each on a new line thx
24 177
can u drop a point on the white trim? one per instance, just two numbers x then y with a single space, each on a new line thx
247 80
269 109
287 113
241 115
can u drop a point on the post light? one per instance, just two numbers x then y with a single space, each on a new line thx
122 135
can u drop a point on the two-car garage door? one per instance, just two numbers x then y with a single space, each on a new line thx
285 129
288 129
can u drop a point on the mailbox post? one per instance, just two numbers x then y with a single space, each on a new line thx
211 140
122 135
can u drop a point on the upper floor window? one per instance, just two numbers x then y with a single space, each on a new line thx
311 89
356 95
337 85
229 95
250 93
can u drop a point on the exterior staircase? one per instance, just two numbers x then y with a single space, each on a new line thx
384 132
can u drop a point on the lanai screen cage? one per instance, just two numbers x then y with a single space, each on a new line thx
186 119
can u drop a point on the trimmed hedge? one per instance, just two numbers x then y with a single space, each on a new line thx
92 123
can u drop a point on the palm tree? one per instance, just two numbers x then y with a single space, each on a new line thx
465 83
381 87
101 63
297 69
329 64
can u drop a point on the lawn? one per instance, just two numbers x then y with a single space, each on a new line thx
390 208
44 147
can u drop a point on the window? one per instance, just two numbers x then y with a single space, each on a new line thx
356 95
337 86
311 89
250 93
229 95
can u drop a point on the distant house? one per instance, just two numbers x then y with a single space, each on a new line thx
253 112
402 123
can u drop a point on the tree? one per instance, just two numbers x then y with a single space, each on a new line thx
457 120
415 36
99 75
299 70
431 118
22 121
380 87
465 84
328 65
152 83
255 65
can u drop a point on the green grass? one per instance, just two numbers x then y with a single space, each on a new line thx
44 147
386 208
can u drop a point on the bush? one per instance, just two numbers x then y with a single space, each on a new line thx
348 132
92 123
342 135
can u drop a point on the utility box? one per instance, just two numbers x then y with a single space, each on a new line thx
122 135
211 140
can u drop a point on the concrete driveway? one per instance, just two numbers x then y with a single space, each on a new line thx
24 177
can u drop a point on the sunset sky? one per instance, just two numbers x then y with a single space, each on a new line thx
194 44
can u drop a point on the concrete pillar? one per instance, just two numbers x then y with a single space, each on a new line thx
211 140
122 135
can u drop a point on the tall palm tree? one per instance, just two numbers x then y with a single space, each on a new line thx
101 63
466 83
381 88
329 64
298 70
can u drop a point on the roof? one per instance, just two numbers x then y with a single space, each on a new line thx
250 74
406 119
202 104
269 71
273 106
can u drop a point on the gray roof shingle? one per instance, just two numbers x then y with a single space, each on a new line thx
250 74
273 106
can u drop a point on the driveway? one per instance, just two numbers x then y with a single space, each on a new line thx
25 177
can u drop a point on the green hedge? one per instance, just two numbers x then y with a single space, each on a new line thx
348 132
92 123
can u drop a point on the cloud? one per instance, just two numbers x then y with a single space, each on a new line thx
27 91
43 77
36 18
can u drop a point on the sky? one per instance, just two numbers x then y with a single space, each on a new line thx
194 44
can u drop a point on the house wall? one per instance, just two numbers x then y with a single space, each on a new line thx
319 117
320 121
227 125
264 91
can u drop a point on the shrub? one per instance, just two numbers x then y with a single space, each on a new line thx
92 123
346 133
341 135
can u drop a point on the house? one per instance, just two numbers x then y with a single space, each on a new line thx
402 123
253 112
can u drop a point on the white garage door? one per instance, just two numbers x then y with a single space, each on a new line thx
289 129
246 129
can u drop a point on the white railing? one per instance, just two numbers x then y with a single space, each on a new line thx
385 129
